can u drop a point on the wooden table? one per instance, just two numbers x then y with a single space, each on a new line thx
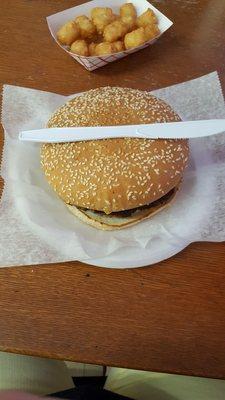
169 317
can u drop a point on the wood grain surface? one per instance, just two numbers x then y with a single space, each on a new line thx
169 317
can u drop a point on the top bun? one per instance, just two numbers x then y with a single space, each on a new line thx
111 175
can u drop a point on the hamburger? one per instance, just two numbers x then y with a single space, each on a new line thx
114 183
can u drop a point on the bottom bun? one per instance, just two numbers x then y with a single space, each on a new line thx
119 220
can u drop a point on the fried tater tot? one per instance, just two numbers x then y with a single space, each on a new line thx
118 46
114 31
92 49
80 47
130 22
128 10
135 38
104 48
151 31
68 33
101 17
128 15
147 18
87 28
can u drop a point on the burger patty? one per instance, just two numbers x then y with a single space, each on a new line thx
127 213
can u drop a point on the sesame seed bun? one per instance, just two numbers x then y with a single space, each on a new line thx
115 221
115 174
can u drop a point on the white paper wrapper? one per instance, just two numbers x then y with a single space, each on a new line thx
37 228
55 21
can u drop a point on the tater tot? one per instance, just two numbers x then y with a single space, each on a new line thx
87 28
135 38
92 49
118 46
114 31
130 22
128 15
80 47
68 33
104 48
128 10
151 31
147 18
102 16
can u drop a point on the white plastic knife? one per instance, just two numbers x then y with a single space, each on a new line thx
170 130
